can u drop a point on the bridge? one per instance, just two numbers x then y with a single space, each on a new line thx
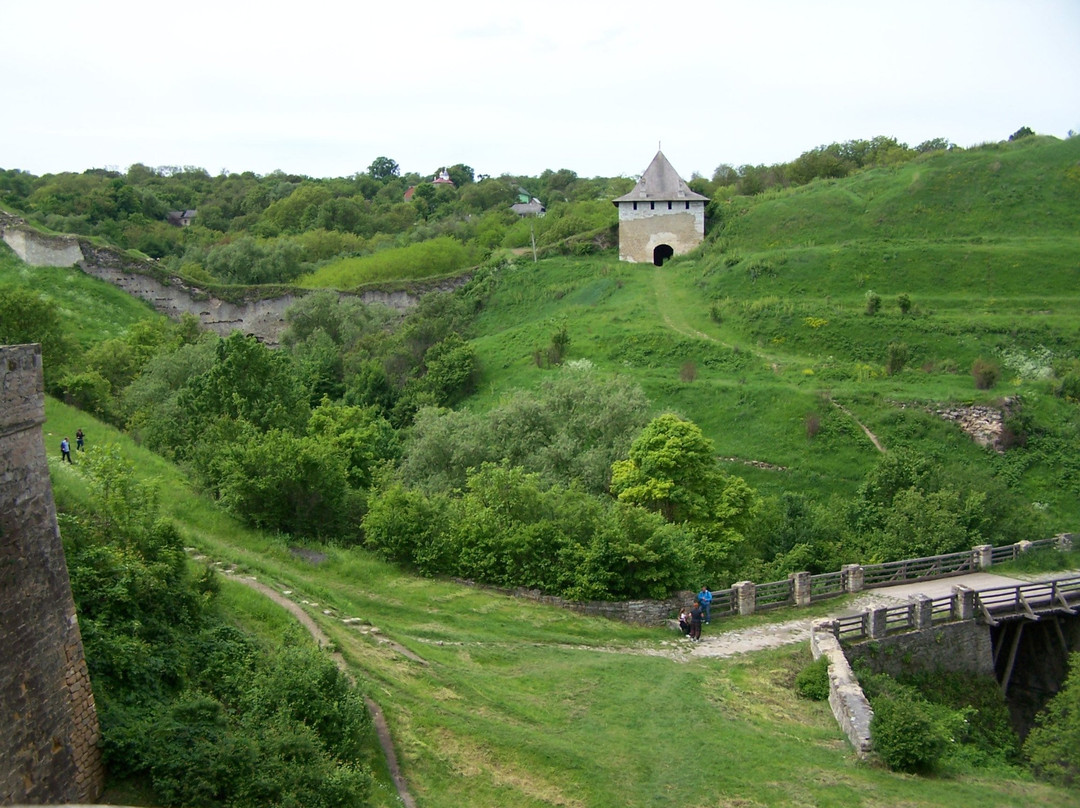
982 626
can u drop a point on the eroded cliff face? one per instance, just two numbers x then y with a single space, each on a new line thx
171 295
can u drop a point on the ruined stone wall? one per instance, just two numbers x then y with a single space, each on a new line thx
643 230
48 723
264 318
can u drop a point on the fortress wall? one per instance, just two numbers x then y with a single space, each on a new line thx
43 251
48 722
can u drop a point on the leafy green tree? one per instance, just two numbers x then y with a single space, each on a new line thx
360 434
26 317
672 469
1053 745
383 168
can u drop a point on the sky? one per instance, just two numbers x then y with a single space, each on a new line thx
323 87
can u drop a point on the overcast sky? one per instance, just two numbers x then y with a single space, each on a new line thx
322 87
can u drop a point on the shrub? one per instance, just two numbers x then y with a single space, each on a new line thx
904 303
813 424
905 735
1053 745
985 373
813 680
897 358
873 302
688 372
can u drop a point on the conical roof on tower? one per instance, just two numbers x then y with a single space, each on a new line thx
660 183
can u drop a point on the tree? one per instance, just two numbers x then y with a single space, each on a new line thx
27 317
1022 132
1053 745
383 168
672 469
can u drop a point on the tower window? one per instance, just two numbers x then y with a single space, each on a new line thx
669 206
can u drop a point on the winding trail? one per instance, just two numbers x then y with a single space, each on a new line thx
382 731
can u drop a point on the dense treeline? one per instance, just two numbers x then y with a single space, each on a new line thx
276 228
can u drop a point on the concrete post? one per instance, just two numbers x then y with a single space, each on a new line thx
984 555
800 587
745 593
854 577
963 603
1024 545
875 623
1064 542
924 612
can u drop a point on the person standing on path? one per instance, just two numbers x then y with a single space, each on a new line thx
704 597
696 615
65 451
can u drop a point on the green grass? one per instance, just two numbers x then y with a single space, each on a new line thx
523 704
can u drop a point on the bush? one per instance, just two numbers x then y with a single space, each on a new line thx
813 680
985 373
873 302
897 358
905 735
904 303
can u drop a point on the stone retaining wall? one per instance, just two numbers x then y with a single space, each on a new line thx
846 698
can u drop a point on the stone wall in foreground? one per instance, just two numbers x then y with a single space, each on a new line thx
48 723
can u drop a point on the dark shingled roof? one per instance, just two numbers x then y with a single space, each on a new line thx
660 183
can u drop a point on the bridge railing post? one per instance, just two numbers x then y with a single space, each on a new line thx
875 623
963 603
924 612
745 593
800 588
983 555
854 577
1064 542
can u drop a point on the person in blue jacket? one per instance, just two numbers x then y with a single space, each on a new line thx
704 597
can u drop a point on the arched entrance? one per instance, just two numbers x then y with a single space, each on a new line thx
662 253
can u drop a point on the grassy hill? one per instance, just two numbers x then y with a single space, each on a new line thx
497 702
769 318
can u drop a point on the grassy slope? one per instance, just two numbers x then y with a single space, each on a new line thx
986 243
520 704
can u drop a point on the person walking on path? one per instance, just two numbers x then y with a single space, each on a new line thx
65 451
79 439
704 597
696 615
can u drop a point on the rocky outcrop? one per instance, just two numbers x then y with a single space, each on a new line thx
985 424
263 317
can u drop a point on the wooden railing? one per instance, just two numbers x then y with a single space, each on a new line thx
919 569
802 588
991 605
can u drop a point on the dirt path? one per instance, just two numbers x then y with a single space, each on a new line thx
873 438
382 731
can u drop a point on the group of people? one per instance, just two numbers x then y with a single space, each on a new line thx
691 617
65 445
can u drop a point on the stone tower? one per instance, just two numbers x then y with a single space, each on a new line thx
48 723
661 217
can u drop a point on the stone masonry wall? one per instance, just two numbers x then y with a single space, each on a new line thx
642 231
48 722
961 647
